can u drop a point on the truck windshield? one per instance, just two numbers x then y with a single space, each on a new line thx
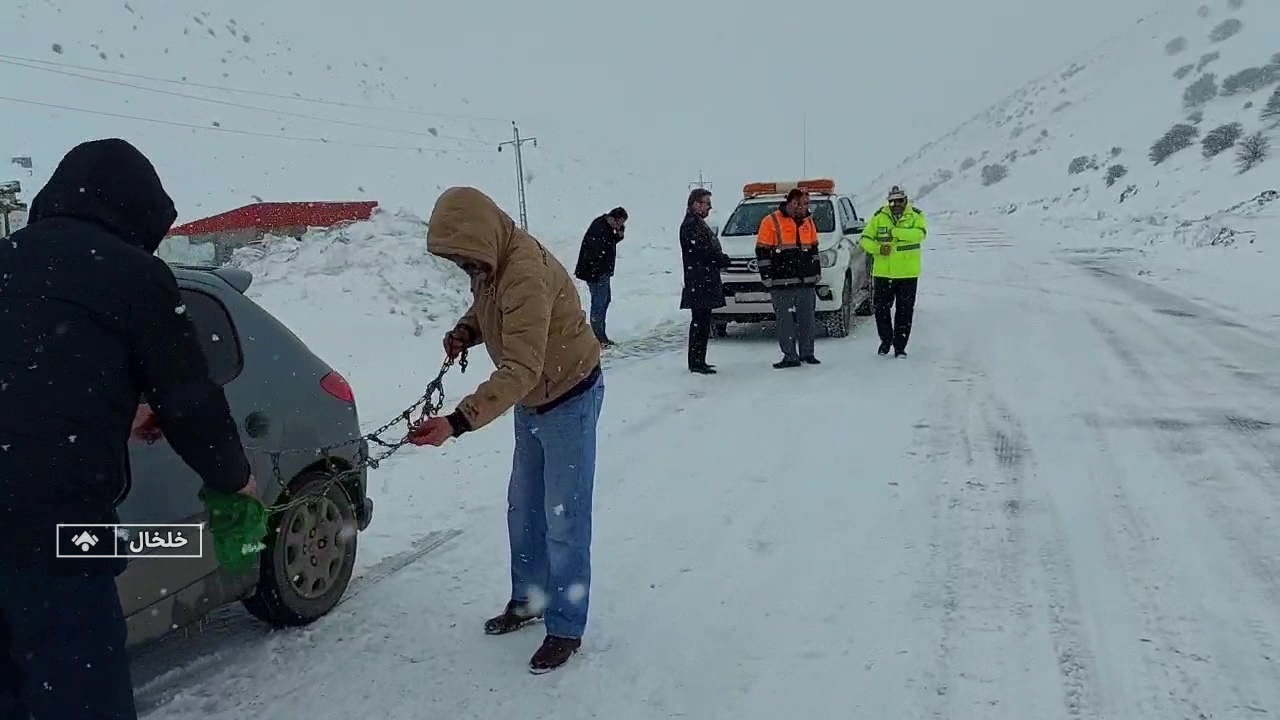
746 218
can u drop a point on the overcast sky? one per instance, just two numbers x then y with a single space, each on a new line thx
628 101
726 86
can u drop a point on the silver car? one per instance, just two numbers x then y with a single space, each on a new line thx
284 398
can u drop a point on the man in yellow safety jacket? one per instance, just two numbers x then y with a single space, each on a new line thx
894 237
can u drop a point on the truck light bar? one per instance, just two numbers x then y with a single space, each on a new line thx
819 185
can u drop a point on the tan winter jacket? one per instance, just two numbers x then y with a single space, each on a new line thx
526 312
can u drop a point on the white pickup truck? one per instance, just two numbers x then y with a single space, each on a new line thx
845 287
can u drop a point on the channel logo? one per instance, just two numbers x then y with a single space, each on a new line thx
130 541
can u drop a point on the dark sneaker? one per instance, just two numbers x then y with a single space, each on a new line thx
900 353
513 618
811 360
555 651
884 348
785 363
703 369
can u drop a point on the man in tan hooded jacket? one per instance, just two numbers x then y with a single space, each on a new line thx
527 313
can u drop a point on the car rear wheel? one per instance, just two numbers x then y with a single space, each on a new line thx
310 554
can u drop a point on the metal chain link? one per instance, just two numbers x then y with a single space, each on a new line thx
429 405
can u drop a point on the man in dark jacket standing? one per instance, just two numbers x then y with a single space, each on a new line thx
596 260
703 259
90 320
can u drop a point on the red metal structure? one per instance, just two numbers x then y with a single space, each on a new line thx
222 234
277 218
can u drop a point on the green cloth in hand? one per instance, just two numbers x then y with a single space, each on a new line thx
239 526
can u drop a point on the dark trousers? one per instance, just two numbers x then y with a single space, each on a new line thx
699 335
888 293
62 649
601 296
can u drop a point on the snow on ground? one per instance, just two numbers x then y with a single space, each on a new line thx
1062 505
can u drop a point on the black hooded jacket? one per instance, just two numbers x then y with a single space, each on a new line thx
598 254
90 320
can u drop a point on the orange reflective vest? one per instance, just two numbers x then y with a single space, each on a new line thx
779 230
787 251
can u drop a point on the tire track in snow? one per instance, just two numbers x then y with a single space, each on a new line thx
1076 664
1241 514
178 663
1168 650
1174 391
983 571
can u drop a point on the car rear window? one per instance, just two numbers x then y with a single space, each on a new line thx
217 335
746 218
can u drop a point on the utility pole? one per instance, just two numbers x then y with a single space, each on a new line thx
700 182
517 142
804 172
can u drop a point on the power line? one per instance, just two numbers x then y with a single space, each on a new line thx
193 126
273 111
224 88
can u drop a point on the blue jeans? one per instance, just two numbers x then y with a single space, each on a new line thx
549 510
601 296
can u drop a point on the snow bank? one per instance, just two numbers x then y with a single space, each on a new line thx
368 298
371 301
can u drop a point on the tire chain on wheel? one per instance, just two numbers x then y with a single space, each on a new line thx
429 405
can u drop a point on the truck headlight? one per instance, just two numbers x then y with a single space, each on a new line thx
828 257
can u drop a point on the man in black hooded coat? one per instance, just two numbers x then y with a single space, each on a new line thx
703 259
90 320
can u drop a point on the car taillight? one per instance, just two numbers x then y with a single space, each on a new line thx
337 386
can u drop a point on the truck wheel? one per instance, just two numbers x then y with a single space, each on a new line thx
720 329
840 323
310 554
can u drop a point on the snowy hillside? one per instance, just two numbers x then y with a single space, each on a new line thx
1099 136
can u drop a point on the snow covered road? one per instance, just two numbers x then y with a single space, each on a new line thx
1064 504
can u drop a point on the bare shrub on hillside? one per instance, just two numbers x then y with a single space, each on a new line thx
1183 71
1082 163
1253 151
1219 139
1175 46
1235 4
992 174
1251 79
1178 137
1204 89
1114 173
1203 11
1225 30
967 163
1271 111
1206 59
